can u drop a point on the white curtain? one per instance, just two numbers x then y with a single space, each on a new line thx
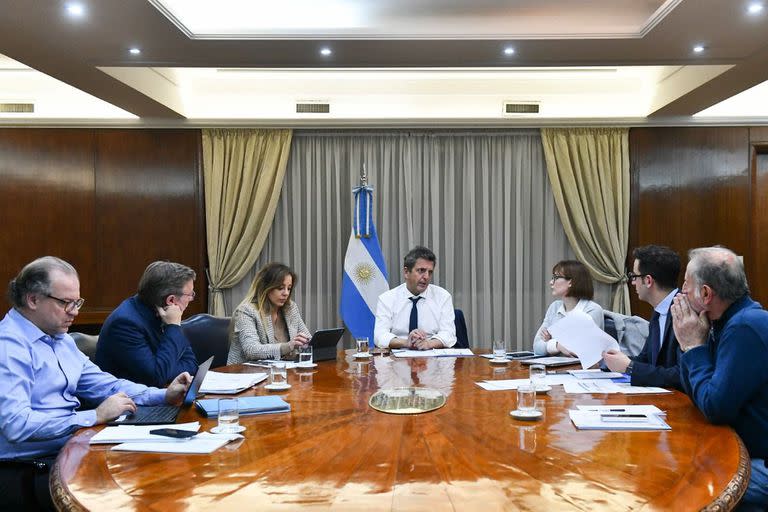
480 200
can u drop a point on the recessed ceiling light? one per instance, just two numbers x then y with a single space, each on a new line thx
325 52
509 50
134 51
76 10
755 7
698 48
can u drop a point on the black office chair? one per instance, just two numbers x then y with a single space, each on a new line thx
209 336
86 343
462 338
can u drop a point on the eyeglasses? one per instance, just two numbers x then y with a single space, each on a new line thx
70 306
631 276
555 277
190 295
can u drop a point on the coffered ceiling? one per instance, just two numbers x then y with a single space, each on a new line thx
383 62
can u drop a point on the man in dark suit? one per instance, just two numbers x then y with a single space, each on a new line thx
654 275
142 339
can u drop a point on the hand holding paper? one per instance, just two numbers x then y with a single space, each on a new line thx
578 333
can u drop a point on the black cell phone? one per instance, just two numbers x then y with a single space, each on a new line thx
522 354
173 432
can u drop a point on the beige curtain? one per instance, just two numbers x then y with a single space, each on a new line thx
243 174
589 173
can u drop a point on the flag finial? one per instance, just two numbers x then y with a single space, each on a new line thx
364 177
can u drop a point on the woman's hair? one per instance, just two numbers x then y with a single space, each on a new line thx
270 277
581 281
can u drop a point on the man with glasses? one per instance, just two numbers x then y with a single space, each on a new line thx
142 339
654 275
44 377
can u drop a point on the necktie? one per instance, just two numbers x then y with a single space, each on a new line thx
413 323
654 337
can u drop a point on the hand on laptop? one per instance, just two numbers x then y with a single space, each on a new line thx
113 407
177 389
300 340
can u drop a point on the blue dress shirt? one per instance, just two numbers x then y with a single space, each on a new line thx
42 380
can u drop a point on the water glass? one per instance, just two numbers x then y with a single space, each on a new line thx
499 349
538 375
305 355
229 415
362 345
278 375
526 397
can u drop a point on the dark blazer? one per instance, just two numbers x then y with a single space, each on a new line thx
666 372
135 345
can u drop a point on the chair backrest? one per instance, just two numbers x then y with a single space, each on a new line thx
86 343
629 331
209 336
462 338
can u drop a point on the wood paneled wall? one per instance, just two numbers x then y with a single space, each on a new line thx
694 187
108 201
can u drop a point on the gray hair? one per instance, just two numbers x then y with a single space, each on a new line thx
35 278
720 269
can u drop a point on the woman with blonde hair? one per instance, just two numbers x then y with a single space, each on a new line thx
572 286
267 324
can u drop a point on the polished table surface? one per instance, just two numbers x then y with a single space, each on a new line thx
332 451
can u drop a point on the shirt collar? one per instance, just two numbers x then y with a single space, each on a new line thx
662 307
30 331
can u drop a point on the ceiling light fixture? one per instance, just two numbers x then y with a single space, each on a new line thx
134 51
698 48
325 52
75 10
755 8
509 50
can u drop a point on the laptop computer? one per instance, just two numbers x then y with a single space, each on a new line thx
324 344
162 414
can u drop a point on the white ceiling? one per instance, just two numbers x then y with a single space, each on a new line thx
394 62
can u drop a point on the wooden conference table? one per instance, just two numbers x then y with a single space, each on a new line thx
333 451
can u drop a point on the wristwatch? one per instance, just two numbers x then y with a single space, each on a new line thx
630 367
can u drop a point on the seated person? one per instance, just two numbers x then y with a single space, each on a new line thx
572 287
654 276
142 339
44 377
267 324
416 314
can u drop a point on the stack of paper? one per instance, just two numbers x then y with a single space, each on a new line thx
595 374
435 352
204 442
623 417
248 405
229 383
138 433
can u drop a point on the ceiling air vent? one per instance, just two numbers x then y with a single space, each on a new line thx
17 108
516 107
314 107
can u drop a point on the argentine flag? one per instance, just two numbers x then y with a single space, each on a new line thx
365 274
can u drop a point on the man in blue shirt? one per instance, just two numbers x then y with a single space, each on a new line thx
142 339
724 371
43 378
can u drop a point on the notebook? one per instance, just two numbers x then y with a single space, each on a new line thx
324 344
162 414
248 405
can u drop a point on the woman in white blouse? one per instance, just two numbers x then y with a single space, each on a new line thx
267 324
572 287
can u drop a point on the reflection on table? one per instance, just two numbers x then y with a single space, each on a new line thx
334 451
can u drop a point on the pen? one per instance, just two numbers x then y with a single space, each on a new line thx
617 410
623 416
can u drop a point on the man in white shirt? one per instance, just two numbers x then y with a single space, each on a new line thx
416 315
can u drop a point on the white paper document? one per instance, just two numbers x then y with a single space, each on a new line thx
501 385
596 420
630 409
204 442
435 352
139 433
595 374
606 386
578 333
230 383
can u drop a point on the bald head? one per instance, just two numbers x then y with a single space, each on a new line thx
720 269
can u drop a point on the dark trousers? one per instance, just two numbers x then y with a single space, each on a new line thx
24 485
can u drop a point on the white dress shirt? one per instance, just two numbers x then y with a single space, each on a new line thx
555 312
436 317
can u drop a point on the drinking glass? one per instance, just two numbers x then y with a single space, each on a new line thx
229 416
278 374
305 355
526 397
499 349
538 375
362 345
